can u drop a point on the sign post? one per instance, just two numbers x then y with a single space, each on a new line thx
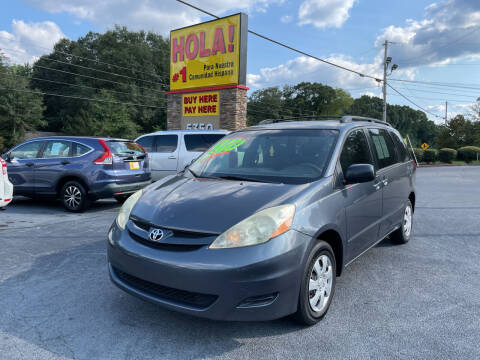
208 75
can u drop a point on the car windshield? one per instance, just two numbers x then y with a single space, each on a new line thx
279 156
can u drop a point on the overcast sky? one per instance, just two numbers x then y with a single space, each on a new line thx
433 41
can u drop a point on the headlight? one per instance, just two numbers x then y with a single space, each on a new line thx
257 229
126 209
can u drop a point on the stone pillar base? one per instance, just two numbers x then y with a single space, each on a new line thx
232 112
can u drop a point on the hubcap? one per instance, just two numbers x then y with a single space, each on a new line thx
407 221
320 285
73 196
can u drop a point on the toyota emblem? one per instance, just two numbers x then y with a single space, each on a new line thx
156 235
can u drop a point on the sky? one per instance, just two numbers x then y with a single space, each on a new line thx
432 41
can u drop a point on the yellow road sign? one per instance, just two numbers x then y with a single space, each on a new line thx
425 146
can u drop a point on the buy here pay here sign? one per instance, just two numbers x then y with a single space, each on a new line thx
200 104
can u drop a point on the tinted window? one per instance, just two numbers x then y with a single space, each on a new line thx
148 142
167 143
56 149
125 148
355 150
401 148
26 151
79 149
201 142
281 156
384 148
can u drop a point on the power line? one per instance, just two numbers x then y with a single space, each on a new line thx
454 85
287 46
95 78
102 62
98 70
411 101
82 98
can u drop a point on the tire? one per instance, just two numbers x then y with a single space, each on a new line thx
74 196
403 234
307 312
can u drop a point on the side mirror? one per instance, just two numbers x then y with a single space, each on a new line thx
359 173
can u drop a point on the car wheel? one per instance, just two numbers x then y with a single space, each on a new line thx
402 235
74 197
318 284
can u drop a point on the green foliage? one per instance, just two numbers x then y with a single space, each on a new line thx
142 76
468 153
447 155
419 154
430 155
20 109
458 132
303 99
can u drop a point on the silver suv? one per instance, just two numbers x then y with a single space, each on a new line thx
170 151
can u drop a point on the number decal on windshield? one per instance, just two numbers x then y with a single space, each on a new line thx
224 147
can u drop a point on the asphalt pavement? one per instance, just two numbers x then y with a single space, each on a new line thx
415 301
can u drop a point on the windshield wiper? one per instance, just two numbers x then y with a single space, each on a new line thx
242 178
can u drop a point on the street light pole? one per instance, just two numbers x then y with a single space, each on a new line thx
385 65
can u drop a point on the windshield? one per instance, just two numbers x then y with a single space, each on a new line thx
280 156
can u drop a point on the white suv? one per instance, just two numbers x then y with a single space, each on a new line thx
6 187
170 151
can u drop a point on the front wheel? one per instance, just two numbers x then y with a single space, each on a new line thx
74 197
318 284
402 234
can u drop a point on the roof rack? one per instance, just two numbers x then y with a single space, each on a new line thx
342 119
350 118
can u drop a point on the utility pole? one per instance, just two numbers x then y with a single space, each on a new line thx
385 65
446 109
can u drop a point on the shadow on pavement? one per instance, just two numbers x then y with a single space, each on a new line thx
65 304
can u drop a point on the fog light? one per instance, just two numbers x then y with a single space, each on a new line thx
255 301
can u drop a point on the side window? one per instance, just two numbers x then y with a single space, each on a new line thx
79 149
148 143
56 149
384 148
26 151
402 150
166 143
201 142
355 150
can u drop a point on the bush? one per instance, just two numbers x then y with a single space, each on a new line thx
430 155
447 155
468 153
419 154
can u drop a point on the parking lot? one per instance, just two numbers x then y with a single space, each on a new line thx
420 300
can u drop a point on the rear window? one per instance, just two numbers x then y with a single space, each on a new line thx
148 142
201 142
125 148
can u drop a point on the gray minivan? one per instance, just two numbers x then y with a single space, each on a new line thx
170 151
260 226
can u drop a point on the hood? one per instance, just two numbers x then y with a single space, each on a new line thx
208 205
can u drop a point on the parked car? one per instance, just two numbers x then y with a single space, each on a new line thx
77 169
6 187
261 225
170 151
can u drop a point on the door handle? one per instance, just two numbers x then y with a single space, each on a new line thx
172 157
29 164
377 185
65 162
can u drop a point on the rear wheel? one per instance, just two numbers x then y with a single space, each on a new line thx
402 235
74 196
318 285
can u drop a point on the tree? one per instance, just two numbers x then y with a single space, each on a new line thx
458 132
20 108
140 76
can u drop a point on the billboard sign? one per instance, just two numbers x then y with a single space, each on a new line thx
212 53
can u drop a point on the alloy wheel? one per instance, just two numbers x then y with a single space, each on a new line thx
73 196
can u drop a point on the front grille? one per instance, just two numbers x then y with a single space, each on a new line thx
163 246
145 225
200 301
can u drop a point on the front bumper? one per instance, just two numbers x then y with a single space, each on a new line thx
112 189
259 282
